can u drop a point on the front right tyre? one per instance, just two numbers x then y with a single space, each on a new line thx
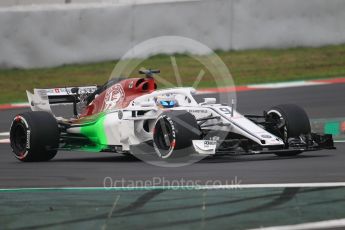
34 136
292 122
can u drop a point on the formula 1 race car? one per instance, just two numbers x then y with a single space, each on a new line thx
124 113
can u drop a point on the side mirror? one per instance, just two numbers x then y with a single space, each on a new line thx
210 100
75 90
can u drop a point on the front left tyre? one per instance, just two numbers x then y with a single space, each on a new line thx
34 136
173 134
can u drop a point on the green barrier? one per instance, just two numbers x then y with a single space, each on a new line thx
334 126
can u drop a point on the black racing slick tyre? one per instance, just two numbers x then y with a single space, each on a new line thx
34 136
292 122
173 134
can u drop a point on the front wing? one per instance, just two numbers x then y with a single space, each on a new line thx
244 146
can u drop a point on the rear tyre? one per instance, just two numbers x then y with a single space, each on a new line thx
173 134
34 136
292 122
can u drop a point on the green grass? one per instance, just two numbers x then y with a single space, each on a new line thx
246 67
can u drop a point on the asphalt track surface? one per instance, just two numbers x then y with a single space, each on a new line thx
77 169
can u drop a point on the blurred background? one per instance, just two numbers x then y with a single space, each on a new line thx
78 42
280 51
38 34
36 2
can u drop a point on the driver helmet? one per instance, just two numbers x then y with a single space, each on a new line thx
166 101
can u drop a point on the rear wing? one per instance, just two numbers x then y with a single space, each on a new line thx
41 99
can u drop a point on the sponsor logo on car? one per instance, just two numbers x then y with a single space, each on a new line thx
113 96
266 136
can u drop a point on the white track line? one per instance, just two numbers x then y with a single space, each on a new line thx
4 141
279 85
339 141
327 224
21 104
285 185
200 187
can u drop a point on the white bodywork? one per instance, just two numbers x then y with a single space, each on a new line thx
124 127
231 121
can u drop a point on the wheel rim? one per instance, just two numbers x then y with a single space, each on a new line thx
19 139
164 140
281 124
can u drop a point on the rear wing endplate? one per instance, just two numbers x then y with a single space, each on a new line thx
41 99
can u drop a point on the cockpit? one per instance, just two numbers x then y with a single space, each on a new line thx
168 98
